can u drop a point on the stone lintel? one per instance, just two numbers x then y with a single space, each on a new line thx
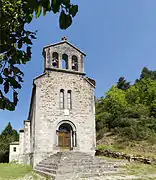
66 71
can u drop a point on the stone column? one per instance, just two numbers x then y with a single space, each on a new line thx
71 138
27 142
21 141
57 138
27 136
48 58
21 146
60 61
69 62
74 144
81 63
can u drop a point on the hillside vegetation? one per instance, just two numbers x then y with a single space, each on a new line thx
126 115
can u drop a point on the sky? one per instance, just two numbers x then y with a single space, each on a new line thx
118 37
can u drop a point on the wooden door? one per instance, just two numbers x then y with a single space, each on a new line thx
64 140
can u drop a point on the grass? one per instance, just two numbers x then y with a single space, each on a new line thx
140 169
134 168
143 171
13 171
146 178
138 148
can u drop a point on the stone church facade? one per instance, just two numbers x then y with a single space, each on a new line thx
62 111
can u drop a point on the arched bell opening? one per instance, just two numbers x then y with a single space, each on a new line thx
66 135
64 61
55 61
74 63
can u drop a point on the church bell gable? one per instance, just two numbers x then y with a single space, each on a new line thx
63 56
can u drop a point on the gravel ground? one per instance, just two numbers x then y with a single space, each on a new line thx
33 176
119 177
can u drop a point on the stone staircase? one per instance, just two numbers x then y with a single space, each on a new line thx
76 165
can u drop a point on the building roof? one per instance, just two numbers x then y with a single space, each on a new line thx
14 143
92 82
21 130
64 40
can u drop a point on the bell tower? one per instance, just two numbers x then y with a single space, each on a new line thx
63 56
62 109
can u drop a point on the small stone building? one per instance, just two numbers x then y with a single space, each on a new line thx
14 152
62 111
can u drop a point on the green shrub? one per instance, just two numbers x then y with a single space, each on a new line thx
135 132
101 132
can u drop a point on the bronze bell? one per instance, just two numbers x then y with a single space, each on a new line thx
54 63
73 65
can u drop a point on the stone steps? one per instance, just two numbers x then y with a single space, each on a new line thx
75 176
77 168
44 173
69 165
49 170
48 166
83 164
88 171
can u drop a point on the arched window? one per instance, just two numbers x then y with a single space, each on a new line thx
64 61
74 63
69 100
55 59
61 99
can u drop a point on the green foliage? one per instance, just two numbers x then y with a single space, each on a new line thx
115 102
7 136
129 112
143 92
153 108
122 84
16 41
146 73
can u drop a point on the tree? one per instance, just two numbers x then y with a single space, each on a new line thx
16 41
129 112
122 84
143 92
7 136
7 131
115 101
146 73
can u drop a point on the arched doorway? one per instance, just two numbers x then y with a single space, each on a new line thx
66 135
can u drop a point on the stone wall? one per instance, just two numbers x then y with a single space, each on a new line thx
121 155
14 152
26 148
48 113
61 49
39 139
21 145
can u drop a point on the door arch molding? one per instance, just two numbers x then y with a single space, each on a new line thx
62 135
67 122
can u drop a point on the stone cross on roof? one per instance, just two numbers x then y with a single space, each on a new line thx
64 38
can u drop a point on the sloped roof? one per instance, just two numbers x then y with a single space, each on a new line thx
67 42
92 82
14 143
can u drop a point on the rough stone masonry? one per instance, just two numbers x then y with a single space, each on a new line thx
62 113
